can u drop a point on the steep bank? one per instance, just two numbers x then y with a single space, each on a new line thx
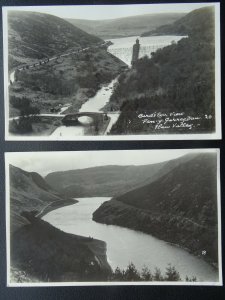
180 207
48 254
29 192
37 249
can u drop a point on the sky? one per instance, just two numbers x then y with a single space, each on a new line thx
47 162
101 12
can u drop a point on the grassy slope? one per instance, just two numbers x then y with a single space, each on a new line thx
179 207
35 35
122 27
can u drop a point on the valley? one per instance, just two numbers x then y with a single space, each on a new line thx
176 225
76 69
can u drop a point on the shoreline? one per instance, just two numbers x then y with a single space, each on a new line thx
55 205
194 253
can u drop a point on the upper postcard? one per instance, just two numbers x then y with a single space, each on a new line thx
112 72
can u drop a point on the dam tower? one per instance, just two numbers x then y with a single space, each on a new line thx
135 54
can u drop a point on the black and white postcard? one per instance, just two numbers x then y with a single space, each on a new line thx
112 72
121 217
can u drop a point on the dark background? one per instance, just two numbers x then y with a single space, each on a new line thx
100 292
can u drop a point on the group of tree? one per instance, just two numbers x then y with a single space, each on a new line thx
24 106
132 274
26 110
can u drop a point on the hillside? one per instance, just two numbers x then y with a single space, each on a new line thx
107 181
44 253
179 207
177 78
33 35
196 21
100 181
123 27
30 192
53 76
40 251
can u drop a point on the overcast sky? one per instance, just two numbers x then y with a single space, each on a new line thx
100 12
47 162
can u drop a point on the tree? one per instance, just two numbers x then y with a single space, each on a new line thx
146 274
19 103
157 275
118 275
30 110
24 125
172 274
131 273
191 279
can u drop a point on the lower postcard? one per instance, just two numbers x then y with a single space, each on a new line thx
136 217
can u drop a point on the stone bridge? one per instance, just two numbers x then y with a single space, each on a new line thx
73 118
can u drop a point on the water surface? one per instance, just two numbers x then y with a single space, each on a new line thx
126 245
122 47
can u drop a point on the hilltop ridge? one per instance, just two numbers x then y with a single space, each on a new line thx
126 26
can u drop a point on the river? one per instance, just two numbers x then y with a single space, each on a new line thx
94 104
121 48
126 245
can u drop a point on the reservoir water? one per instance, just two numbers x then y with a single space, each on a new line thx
126 245
122 47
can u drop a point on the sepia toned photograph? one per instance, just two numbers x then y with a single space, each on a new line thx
106 72
121 217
